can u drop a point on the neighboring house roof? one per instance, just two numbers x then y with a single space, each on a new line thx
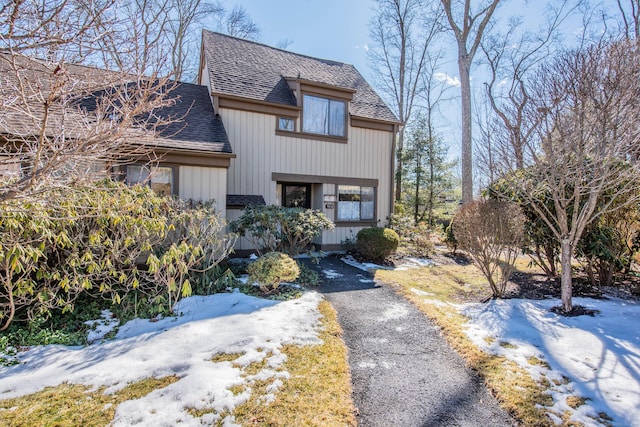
199 128
241 201
252 70
189 123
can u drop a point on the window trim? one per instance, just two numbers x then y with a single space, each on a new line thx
174 174
279 129
359 221
344 102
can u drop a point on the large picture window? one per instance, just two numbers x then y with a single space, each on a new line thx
324 116
356 203
160 178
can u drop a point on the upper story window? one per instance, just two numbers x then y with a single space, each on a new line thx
286 123
324 116
159 178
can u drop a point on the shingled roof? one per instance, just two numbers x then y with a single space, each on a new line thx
252 70
199 128
189 122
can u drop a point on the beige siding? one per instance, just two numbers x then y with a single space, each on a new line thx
260 152
204 183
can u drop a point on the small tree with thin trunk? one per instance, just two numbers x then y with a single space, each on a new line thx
584 150
492 233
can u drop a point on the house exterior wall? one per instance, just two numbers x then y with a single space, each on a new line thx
204 183
260 153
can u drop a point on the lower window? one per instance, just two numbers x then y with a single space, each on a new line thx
356 203
159 178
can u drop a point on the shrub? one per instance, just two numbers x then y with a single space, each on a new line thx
92 241
376 244
307 277
492 232
279 229
271 269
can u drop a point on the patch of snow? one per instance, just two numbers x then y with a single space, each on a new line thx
407 263
101 327
366 266
599 355
411 262
253 257
393 312
421 292
183 346
367 364
331 274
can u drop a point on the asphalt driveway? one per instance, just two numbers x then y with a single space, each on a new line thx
403 371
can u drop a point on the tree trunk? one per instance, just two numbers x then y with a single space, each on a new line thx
399 163
466 148
566 289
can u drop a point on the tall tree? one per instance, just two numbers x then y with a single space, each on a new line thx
511 56
402 31
468 27
428 170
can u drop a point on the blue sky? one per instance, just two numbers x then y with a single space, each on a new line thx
327 29
339 30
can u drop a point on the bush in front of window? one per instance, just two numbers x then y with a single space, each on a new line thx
279 229
376 244
272 269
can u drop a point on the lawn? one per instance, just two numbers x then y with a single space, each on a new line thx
544 369
227 359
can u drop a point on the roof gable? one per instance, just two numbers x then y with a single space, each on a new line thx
259 72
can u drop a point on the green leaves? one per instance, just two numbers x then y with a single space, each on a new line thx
276 228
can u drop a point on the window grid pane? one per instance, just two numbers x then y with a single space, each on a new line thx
316 114
336 118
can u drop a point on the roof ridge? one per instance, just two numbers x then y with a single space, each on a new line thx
277 48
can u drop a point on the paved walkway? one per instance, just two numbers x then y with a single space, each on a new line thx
404 373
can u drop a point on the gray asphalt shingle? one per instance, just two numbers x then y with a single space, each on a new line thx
252 70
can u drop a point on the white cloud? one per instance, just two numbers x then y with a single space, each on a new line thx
447 79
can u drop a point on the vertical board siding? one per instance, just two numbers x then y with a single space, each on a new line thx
204 183
260 152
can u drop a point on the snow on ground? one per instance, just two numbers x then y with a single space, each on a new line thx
331 274
597 358
182 346
406 264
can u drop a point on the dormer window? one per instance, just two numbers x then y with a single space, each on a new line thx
324 116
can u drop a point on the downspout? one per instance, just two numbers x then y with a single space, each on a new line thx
392 199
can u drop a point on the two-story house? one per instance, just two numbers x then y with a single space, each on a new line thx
261 126
305 132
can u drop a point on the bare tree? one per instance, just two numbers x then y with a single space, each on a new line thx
187 14
492 233
61 121
580 159
402 31
468 27
237 23
511 56
630 14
